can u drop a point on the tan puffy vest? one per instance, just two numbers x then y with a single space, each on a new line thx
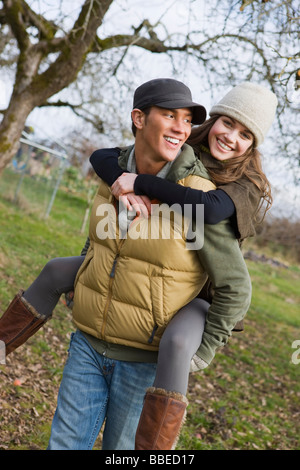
128 289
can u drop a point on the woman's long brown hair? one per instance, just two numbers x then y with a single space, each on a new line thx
247 165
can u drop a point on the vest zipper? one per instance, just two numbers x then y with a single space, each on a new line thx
106 308
109 296
113 269
152 334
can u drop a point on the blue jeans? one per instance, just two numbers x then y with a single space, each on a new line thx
95 388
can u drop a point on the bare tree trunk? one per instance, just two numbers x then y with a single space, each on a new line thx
31 88
11 129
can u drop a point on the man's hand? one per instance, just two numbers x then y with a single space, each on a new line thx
69 299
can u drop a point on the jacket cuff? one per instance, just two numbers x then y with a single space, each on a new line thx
208 348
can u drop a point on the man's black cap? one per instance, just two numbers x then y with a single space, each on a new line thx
170 94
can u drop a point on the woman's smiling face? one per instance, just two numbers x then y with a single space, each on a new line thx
229 139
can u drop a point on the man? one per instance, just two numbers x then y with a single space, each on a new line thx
129 287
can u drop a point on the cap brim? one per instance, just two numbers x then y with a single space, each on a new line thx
199 112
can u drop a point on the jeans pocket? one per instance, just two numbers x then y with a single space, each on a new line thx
70 344
71 340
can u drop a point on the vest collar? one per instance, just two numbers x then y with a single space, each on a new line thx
180 167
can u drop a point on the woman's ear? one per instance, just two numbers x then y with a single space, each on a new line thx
138 118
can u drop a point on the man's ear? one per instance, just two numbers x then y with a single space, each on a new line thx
138 118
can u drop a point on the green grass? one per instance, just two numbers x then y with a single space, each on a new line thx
247 399
250 396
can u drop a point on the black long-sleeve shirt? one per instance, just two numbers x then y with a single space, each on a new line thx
217 204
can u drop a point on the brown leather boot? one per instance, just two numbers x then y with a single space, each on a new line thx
161 420
19 322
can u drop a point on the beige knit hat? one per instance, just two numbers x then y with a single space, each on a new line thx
252 105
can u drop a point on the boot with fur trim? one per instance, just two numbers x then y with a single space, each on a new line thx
19 322
161 420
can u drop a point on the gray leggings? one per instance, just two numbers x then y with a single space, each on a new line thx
179 342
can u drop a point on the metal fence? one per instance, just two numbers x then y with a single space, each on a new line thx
34 176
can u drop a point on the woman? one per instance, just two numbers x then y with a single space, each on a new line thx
227 146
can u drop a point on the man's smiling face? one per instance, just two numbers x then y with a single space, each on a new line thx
164 132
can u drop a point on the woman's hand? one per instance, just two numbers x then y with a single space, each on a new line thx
123 189
140 204
123 185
